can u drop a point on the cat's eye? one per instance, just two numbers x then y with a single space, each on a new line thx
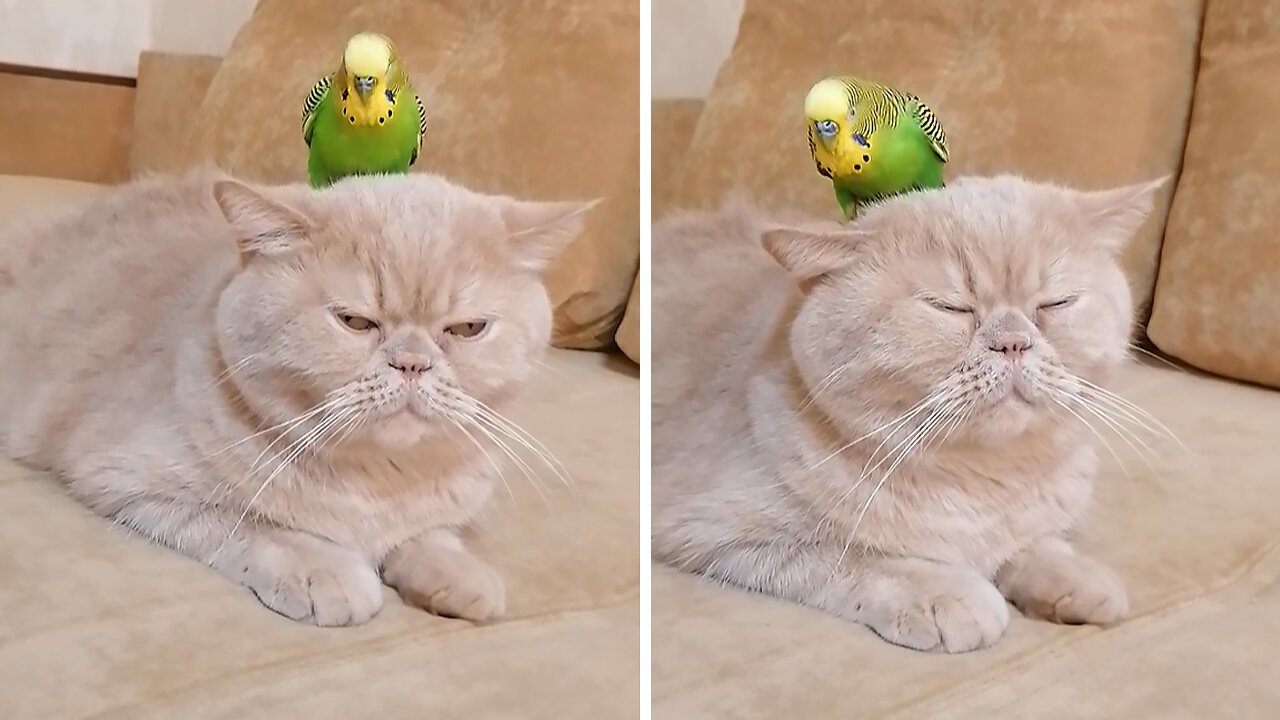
948 307
1059 303
357 323
468 330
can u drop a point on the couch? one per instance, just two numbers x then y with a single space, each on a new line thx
96 623
1091 93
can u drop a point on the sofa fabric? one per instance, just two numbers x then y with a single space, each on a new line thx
1093 93
539 100
97 623
1217 302
171 88
673 124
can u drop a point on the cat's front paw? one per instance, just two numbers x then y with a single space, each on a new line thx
935 608
311 580
448 582
1064 588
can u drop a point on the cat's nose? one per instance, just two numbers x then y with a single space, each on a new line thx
412 365
1011 344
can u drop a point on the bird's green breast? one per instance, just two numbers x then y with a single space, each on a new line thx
899 159
343 148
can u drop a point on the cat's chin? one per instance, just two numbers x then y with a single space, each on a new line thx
402 429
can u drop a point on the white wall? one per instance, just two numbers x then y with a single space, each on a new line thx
105 36
691 39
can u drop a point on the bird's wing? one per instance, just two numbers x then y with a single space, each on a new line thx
317 94
932 129
422 128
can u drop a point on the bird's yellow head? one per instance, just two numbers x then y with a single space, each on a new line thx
828 109
368 61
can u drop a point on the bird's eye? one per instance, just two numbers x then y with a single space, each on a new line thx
948 307
468 330
357 323
1059 303
827 127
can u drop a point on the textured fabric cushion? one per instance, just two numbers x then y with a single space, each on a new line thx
1196 537
673 125
171 87
537 100
96 623
1091 93
628 336
1217 302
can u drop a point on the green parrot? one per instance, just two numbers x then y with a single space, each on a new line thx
364 119
872 141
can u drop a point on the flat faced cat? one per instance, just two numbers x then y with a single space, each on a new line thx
886 421
293 387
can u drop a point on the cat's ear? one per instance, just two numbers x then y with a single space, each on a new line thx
1113 216
808 254
538 231
263 227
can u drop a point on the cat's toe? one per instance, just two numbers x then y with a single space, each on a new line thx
454 584
1069 589
947 612
970 622
320 585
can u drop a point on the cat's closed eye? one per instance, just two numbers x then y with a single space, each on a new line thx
948 306
1059 303
468 330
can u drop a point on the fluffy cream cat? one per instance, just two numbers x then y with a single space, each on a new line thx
885 421
289 386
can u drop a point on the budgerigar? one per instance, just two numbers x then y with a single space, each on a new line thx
365 118
872 141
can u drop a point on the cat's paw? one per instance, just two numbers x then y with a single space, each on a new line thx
312 580
941 609
450 583
1065 588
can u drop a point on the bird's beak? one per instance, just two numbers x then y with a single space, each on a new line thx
364 86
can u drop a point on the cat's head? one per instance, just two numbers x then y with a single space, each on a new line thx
983 307
401 305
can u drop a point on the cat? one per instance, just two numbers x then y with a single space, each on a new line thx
883 421
293 387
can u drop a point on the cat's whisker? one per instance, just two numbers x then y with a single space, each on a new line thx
517 434
1159 358
831 378
1060 403
1139 415
928 401
1126 435
291 423
450 417
226 374
299 446
914 441
946 396
506 450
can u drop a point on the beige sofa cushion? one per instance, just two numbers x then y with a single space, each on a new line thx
1195 536
673 124
1093 93
96 623
537 100
1217 302
171 87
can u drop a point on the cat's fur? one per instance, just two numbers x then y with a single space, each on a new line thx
777 381
158 342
